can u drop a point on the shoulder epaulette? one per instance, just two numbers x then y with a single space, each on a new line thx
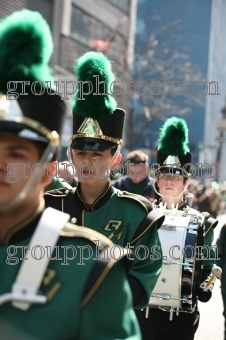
105 260
101 268
144 202
206 214
62 192
210 223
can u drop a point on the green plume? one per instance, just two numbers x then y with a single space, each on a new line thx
94 67
25 48
174 137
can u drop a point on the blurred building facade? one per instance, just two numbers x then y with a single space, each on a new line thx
203 26
214 123
80 26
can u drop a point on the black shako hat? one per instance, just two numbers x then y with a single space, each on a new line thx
102 134
173 153
97 123
39 118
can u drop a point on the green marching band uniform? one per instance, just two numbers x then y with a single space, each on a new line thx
173 157
46 297
127 219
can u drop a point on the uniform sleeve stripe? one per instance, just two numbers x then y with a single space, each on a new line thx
99 272
210 223
147 222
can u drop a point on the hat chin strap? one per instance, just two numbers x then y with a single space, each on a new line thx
107 174
158 193
69 155
45 158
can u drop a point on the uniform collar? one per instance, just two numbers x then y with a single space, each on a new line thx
25 228
182 205
99 202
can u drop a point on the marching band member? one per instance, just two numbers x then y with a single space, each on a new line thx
172 176
47 291
127 219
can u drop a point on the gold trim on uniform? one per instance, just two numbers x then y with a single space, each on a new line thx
90 135
31 123
83 217
120 194
90 128
97 283
97 200
116 224
71 230
83 203
209 228
50 294
103 274
49 275
182 203
63 192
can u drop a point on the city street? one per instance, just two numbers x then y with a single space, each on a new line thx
211 326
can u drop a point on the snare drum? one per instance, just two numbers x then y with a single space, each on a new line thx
180 236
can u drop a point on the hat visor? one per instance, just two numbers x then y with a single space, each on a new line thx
171 170
21 130
92 144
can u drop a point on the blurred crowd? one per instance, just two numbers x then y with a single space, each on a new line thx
208 196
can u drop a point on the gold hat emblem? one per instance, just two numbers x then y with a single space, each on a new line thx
4 106
172 160
90 127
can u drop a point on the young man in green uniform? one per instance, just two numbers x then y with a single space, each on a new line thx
174 170
56 283
127 219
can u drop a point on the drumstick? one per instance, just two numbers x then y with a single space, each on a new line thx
216 272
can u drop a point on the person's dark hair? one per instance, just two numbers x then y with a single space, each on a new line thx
137 157
113 150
